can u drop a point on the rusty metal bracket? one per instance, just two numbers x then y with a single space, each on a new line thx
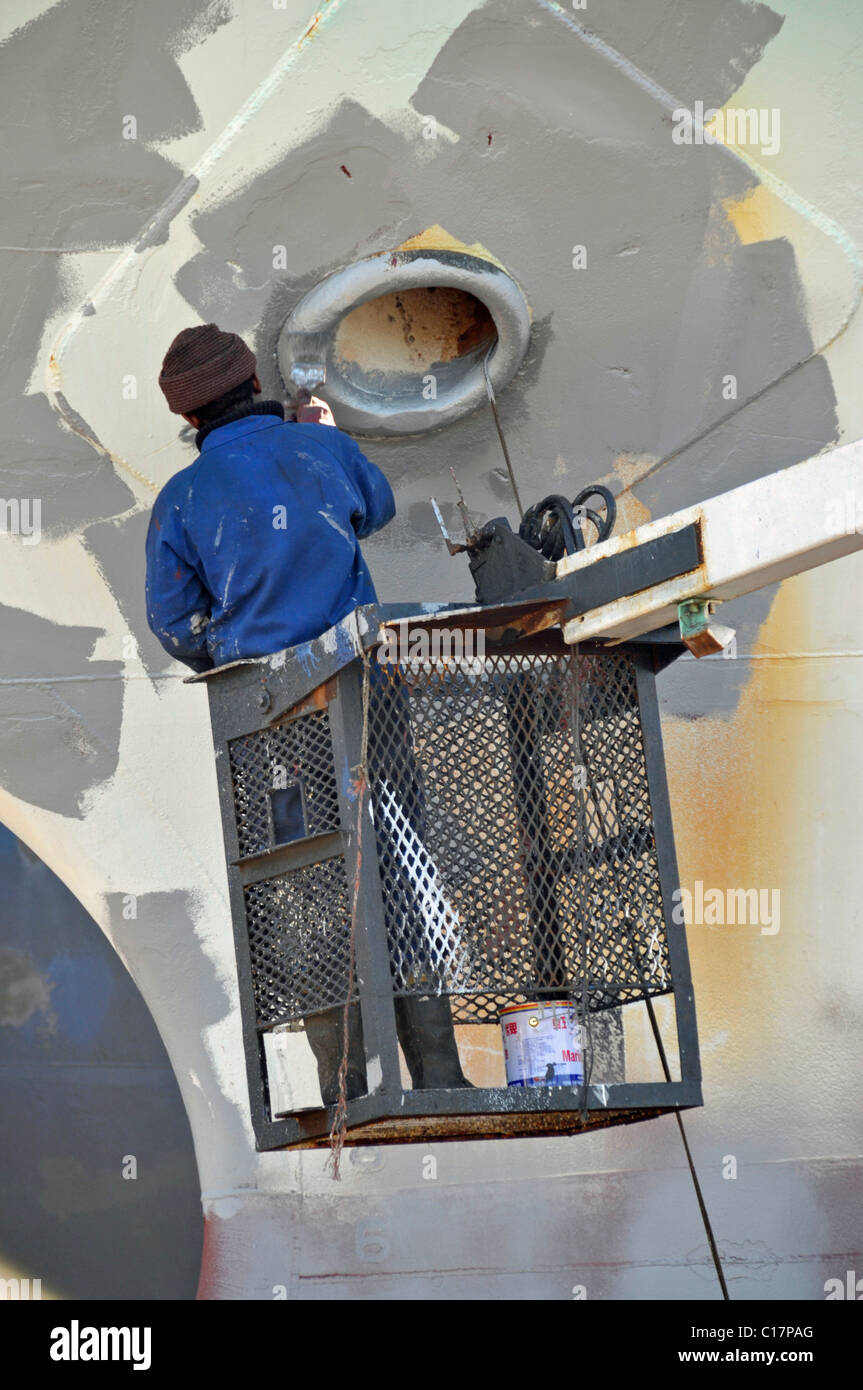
702 636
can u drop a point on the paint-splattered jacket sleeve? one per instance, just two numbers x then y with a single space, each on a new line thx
378 503
178 604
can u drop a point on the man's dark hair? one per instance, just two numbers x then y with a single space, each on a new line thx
214 410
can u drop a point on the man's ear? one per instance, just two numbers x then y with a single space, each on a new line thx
193 420
256 385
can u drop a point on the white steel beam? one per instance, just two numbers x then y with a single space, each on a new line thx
755 535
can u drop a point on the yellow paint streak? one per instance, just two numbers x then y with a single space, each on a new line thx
753 216
436 238
744 796
627 470
625 474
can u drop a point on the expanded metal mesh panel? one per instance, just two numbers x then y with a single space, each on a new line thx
299 934
514 831
297 754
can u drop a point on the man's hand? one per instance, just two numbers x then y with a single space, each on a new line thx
317 412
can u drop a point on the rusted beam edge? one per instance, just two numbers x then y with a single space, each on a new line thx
448 1129
503 1103
259 867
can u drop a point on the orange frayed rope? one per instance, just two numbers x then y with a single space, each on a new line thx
339 1127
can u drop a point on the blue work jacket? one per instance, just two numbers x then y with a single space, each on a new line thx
255 546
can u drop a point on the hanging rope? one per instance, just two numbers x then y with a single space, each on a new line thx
339 1127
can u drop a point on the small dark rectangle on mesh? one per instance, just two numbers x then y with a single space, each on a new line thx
288 814
298 750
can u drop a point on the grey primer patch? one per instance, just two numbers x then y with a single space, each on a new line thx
76 182
612 382
76 481
77 423
693 689
23 991
180 986
156 232
698 50
58 738
373 210
118 546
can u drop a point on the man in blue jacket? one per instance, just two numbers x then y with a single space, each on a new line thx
255 547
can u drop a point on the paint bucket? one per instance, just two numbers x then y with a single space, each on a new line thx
542 1044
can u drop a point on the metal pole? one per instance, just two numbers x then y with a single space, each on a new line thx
493 403
695 1183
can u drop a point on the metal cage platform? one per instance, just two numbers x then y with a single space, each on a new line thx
513 843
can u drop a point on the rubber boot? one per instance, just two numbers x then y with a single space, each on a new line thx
425 1029
325 1032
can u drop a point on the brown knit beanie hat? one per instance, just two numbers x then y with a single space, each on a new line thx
201 364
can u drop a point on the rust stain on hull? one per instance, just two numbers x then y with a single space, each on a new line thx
312 29
414 329
741 794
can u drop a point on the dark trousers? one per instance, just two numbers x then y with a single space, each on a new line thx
423 1021
425 1031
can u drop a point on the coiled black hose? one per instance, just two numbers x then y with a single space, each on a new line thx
554 525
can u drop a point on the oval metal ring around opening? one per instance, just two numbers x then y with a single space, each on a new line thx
382 374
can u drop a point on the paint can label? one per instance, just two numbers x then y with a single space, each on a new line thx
542 1045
